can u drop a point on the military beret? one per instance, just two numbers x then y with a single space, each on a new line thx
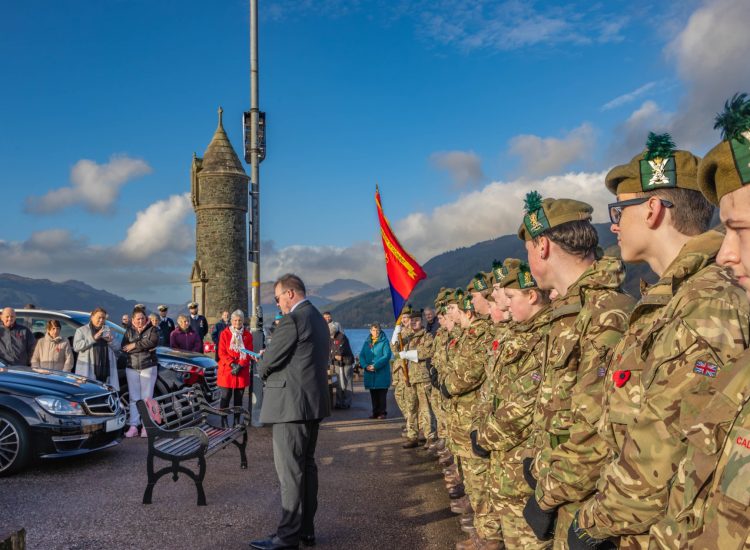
466 303
548 213
496 272
455 297
162 307
659 166
519 277
508 271
481 283
415 314
726 167
406 312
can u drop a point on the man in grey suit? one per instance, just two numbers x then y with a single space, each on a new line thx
295 400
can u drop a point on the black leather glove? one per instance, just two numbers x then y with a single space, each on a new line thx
476 448
445 391
540 521
434 378
527 475
236 368
579 539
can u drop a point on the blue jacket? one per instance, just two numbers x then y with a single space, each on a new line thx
379 356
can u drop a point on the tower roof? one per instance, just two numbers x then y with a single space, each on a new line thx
220 155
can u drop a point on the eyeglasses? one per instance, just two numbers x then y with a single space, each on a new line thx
616 208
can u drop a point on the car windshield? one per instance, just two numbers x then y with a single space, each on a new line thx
84 319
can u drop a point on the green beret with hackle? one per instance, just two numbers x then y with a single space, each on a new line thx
726 167
481 282
659 166
543 214
520 278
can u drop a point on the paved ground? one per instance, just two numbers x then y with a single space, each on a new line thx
373 494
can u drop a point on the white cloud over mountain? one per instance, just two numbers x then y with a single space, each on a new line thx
94 186
164 219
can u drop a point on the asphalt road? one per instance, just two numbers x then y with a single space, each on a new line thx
373 494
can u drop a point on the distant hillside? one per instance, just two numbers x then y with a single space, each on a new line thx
455 268
321 296
18 291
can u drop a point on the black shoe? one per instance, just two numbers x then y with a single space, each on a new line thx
271 543
307 540
411 444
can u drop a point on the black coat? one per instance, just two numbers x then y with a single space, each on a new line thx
295 368
143 356
200 325
340 346
166 326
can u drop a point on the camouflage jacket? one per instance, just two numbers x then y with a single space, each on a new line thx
422 342
483 405
719 447
440 348
398 366
684 329
586 324
464 377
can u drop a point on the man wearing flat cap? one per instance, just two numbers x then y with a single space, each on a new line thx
587 320
166 325
682 333
197 321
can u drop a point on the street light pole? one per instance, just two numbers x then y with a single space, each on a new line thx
254 198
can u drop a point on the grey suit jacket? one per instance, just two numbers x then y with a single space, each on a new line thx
294 368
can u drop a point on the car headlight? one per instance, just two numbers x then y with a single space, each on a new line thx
181 367
56 405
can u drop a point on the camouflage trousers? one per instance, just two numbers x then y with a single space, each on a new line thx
441 415
516 533
565 515
423 391
475 472
406 399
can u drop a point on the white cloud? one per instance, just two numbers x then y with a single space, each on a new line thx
151 263
711 58
629 138
545 156
158 228
464 167
629 97
94 186
493 211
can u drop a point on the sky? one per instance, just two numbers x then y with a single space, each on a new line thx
455 109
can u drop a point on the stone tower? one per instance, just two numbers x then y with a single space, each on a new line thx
218 185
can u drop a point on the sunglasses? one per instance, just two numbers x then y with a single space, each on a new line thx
616 208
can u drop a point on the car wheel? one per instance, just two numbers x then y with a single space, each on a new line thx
14 443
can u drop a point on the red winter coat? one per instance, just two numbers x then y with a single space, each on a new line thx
229 356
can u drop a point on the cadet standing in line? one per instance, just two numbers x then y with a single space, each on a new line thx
418 354
462 385
439 356
588 318
682 332
506 428
403 392
724 519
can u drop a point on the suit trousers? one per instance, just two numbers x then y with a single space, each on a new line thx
294 457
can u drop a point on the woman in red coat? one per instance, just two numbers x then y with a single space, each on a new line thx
234 365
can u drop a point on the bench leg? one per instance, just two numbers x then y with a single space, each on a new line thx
199 480
151 479
242 447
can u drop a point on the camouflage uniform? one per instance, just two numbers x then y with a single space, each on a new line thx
463 380
720 450
586 324
505 429
419 378
665 369
451 350
406 397
439 360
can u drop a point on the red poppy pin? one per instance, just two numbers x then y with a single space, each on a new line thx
621 377
495 343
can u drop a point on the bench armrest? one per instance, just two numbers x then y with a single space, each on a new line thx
226 412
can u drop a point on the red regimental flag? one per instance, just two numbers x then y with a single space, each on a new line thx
403 271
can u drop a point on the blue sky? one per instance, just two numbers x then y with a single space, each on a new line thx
454 108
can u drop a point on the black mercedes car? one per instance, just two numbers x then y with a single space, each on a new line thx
47 413
176 368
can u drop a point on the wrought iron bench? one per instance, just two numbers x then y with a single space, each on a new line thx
178 429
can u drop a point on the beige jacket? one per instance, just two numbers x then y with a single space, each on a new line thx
53 354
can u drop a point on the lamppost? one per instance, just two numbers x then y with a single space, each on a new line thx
254 127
